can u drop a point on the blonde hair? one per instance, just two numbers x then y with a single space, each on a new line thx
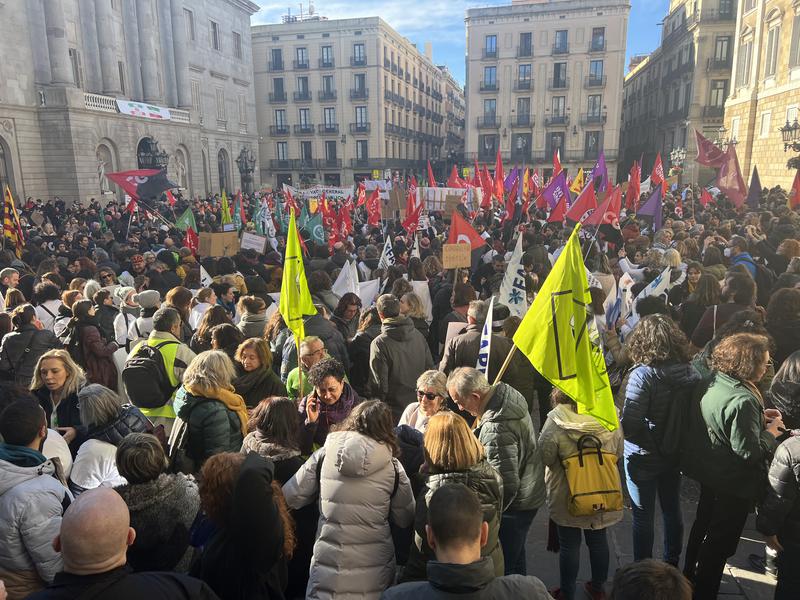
671 258
415 308
210 370
449 443
76 378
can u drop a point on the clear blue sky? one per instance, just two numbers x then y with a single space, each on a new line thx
442 22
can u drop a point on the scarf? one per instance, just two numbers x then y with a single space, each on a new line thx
21 456
230 399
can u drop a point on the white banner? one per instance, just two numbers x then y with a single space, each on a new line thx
383 187
316 191
513 291
485 349
145 111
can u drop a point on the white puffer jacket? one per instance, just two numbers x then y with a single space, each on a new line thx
353 555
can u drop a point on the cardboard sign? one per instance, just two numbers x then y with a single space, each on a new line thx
253 241
456 256
219 244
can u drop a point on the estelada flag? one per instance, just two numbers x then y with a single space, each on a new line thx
142 183
606 217
794 193
462 232
586 201
559 337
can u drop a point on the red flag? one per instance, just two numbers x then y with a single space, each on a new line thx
170 198
476 178
488 187
634 187
412 187
454 180
412 219
290 202
679 207
374 208
131 206
556 163
657 176
541 202
707 153
558 212
142 183
499 178
606 217
706 198
345 222
461 231
511 202
362 194
192 241
431 178
535 183
586 201
794 193
730 180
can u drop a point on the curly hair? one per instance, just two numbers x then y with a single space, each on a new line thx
740 355
373 419
657 339
327 367
217 481
783 307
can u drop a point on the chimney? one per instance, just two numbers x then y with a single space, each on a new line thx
429 51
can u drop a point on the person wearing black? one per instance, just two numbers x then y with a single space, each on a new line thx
20 350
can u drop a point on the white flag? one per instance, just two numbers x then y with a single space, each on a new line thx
644 186
368 292
205 278
346 282
387 257
658 287
415 248
485 348
513 292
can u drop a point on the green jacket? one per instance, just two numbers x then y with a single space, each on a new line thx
729 448
212 427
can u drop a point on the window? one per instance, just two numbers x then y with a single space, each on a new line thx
791 114
304 117
735 121
327 84
592 144
242 105
594 106
305 151
302 85
77 67
330 150
280 118
555 141
771 57
794 48
282 150
121 70
490 77
489 107
687 95
559 106
188 21
722 47
220 104
744 67
560 75
524 111
596 70
676 98
490 47
329 117
197 105
726 9
487 145
362 149
719 91
327 56
277 59
237 44
525 44
525 75
360 81
561 44
215 42
749 5
301 55
766 122
359 54
277 86
361 115
598 38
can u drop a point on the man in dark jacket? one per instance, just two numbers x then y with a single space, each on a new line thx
456 531
505 430
318 326
94 539
397 357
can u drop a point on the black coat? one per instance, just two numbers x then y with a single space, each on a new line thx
779 513
67 415
20 351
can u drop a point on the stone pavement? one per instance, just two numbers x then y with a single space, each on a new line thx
740 582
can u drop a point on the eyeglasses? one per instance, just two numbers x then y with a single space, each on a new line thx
428 395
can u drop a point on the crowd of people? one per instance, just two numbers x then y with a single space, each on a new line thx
166 436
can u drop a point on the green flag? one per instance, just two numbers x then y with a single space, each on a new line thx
237 213
295 301
225 209
559 338
186 220
315 228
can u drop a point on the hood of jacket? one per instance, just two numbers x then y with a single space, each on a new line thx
675 374
130 420
256 442
355 454
251 318
12 474
398 328
505 404
165 490
482 478
576 425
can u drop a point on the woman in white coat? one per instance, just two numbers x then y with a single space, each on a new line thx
361 486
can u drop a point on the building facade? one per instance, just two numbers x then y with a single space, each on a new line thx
454 113
339 100
545 76
681 87
765 86
70 67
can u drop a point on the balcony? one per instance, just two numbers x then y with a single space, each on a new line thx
597 45
356 128
521 155
275 66
718 64
489 53
327 63
276 97
306 129
301 64
556 121
588 155
359 162
593 119
408 77
560 49
358 61
276 130
489 122
489 86
713 112
302 96
280 164
558 84
386 63
326 95
328 128
522 121
523 85
330 163
524 51
393 68
359 93
306 164
594 81
100 103
409 105
487 154
391 128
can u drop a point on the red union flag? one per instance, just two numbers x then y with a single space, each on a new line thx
707 153
142 183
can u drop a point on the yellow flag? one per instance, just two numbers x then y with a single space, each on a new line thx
295 300
526 183
559 338
226 210
578 182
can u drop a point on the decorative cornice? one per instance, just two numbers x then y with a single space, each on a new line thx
241 82
196 68
218 75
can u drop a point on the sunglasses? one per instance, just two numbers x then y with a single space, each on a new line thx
428 395
106 276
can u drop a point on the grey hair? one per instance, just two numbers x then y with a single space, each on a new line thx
435 380
388 306
468 380
8 272
210 370
165 318
98 405
478 310
311 339
90 288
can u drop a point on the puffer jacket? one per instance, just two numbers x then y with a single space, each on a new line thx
485 481
33 498
559 440
396 358
650 392
20 351
779 512
212 427
253 325
130 420
506 432
353 554
162 513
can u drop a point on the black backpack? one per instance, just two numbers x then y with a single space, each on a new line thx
765 280
145 377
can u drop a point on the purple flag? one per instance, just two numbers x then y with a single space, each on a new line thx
556 189
652 208
754 194
600 170
511 179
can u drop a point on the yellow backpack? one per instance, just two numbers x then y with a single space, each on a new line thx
593 479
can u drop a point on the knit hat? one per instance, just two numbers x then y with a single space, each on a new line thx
126 279
168 258
121 293
148 298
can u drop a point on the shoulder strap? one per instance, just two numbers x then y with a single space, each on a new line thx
136 325
47 310
164 343
396 480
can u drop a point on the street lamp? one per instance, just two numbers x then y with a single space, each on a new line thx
722 142
791 141
150 157
246 163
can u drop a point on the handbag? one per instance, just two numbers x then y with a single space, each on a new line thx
593 479
179 459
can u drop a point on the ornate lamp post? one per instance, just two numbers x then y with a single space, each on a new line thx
791 141
246 163
723 142
150 157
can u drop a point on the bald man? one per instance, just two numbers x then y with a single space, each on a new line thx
93 542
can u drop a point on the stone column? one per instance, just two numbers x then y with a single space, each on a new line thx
147 50
57 48
181 45
167 52
104 20
132 49
91 52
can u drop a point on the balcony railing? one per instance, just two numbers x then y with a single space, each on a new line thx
594 81
275 66
557 121
558 84
306 129
489 86
330 163
719 64
522 85
178 115
560 49
597 45
359 128
522 121
487 155
524 51
358 61
359 162
521 155
300 64
304 163
304 96
277 97
275 130
359 93
489 53
713 112
327 63
100 103
328 128
489 122
279 164
326 95
593 119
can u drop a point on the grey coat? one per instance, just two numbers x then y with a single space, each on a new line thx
506 432
354 554
253 325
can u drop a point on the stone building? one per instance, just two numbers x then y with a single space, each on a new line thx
343 99
544 75
87 85
454 113
765 88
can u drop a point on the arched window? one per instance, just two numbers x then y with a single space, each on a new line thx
223 166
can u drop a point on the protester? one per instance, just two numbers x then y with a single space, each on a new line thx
180 299
783 323
312 350
149 302
47 298
738 294
206 298
89 348
129 311
432 398
227 338
201 339
651 579
20 350
255 378
346 315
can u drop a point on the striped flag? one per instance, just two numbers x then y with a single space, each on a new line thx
12 230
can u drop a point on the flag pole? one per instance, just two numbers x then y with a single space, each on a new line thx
591 245
299 371
130 220
507 362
